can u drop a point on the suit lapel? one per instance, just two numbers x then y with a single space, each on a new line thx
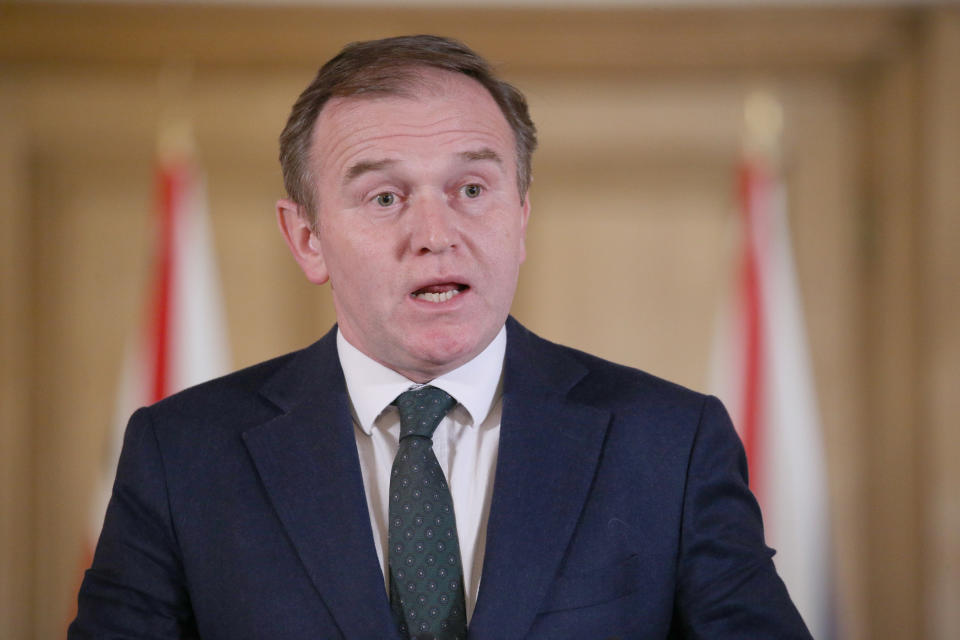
307 460
549 449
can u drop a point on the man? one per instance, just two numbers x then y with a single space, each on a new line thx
528 491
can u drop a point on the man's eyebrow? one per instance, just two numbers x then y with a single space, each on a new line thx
365 166
482 154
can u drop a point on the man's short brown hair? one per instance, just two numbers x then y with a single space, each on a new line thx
389 66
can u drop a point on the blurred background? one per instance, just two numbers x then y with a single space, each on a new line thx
632 244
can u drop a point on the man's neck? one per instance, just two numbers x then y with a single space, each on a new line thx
371 385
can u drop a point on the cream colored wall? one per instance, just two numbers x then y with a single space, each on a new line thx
640 117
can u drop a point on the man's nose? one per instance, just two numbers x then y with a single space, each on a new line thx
432 225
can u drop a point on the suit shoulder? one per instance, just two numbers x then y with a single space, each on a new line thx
604 382
238 384
231 402
615 377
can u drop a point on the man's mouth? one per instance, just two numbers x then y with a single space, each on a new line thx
439 292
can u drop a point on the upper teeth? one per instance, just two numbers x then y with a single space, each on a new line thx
437 297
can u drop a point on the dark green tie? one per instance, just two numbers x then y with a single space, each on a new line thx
426 577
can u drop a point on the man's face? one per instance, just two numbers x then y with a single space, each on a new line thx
420 224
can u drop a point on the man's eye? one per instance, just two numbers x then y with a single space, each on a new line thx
386 199
472 190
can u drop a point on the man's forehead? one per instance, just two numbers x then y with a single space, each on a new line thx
421 85
439 103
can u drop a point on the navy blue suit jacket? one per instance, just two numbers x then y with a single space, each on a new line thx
620 510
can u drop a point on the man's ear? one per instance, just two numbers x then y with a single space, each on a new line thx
294 222
525 218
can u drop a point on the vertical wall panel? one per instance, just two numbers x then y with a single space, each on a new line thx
940 319
16 371
891 489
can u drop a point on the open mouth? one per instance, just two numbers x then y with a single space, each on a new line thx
439 292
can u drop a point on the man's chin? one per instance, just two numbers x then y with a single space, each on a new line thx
436 355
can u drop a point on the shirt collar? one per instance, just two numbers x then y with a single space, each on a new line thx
372 386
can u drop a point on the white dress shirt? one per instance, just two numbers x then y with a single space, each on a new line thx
465 444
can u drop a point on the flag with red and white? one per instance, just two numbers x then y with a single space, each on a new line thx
761 370
183 340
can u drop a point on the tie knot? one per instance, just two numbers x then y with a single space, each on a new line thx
422 409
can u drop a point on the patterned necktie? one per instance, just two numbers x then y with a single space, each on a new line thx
426 577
